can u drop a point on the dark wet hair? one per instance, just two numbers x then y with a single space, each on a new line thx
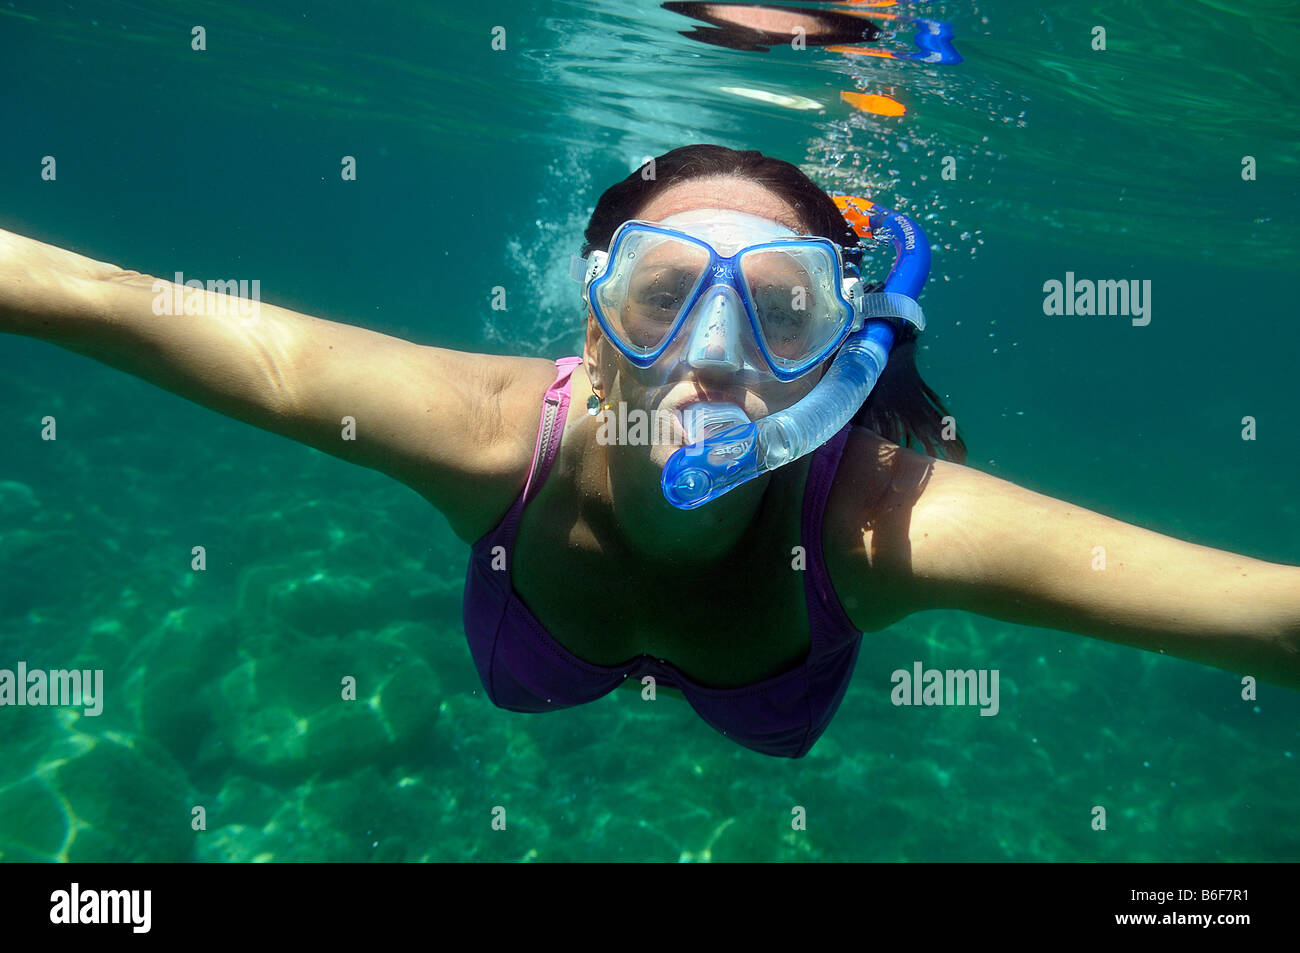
901 408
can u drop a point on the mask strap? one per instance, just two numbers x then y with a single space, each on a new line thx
584 270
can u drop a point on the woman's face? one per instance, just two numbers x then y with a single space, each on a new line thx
646 391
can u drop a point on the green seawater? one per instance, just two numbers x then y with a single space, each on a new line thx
476 169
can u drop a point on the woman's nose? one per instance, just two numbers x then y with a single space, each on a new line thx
714 344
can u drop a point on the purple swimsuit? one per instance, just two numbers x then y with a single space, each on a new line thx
524 669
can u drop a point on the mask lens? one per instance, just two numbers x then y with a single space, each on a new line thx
650 279
795 295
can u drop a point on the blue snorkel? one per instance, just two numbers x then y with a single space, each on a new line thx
728 457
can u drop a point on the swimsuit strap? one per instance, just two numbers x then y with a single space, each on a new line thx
829 624
557 397
555 407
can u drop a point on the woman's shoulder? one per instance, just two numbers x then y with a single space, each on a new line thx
510 396
876 484
871 467
514 393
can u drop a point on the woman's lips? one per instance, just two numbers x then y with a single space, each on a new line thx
711 397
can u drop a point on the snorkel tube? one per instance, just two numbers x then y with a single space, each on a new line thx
728 457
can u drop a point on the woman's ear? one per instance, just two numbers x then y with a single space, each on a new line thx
590 352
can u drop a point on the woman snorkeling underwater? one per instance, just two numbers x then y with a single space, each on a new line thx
737 557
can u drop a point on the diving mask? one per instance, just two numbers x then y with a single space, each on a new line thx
722 290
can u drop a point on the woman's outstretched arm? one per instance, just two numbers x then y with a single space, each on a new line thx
430 417
919 533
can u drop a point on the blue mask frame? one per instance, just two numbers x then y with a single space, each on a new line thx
725 270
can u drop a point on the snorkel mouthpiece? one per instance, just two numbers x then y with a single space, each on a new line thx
726 435
705 419
728 449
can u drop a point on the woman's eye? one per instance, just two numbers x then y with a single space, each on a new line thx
781 314
659 306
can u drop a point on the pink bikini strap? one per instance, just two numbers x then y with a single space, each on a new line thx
556 407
